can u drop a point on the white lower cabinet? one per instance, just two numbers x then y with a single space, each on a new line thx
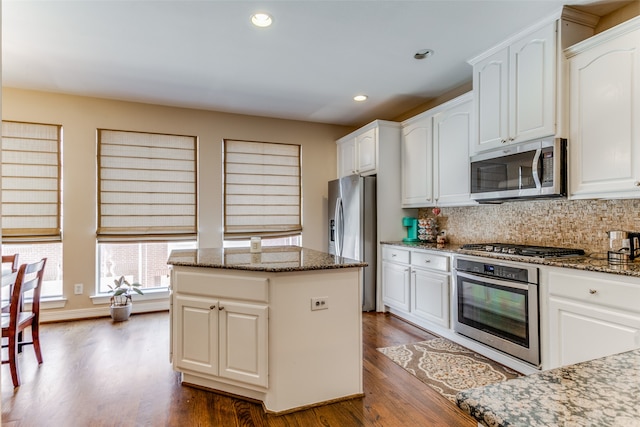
222 338
416 285
430 296
396 277
591 315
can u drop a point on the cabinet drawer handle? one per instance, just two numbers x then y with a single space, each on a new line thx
394 255
427 260
212 307
593 291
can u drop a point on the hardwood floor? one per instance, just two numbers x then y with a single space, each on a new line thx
99 373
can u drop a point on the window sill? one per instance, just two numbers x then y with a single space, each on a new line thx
52 302
149 295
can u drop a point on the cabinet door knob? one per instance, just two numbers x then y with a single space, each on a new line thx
593 291
427 260
220 308
511 139
212 307
637 183
394 255
504 141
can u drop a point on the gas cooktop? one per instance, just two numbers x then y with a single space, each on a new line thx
523 250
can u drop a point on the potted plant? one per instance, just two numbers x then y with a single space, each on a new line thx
121 301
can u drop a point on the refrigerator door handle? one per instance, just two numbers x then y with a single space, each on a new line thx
339 216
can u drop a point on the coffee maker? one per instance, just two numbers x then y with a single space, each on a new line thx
624 246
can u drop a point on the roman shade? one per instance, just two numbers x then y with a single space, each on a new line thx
146 186
31 182
262 189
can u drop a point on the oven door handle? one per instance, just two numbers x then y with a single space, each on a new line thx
489 280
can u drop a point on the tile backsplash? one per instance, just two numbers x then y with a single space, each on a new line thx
566 223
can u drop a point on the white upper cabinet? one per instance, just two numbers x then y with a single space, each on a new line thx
417 162
358 152
604 144
347 157
515 90
452 133
435 155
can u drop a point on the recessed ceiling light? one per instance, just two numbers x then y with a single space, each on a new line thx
261 19
360 98
423 53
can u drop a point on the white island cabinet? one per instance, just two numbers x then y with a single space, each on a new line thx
283 326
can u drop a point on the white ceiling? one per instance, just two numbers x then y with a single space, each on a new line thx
307 66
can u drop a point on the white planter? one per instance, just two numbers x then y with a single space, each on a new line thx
120 313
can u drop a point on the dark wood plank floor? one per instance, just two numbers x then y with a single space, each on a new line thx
99 373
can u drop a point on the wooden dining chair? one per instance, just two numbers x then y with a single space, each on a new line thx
29 277
13 260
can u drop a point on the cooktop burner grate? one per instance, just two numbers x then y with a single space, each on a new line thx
523 250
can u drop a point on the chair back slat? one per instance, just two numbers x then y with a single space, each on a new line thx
29 278
13 260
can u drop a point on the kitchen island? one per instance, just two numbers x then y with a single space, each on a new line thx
601 392
282 326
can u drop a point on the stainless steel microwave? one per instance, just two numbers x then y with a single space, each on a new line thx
535 169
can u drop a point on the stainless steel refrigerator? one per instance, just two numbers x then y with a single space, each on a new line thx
352 227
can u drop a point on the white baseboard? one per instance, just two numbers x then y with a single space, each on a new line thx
88 313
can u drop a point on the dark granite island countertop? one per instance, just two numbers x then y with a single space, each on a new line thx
602 392
271 259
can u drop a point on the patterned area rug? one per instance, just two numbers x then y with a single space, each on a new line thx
447 366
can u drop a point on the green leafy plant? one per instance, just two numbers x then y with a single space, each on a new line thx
122 291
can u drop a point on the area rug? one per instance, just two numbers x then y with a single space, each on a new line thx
448 367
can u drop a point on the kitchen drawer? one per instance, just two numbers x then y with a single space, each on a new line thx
236 285
393 254
595 288
429 260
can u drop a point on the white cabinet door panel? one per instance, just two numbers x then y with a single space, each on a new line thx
197 344
430 296
417 164
243 342
605 110
396 285
533 85
580 332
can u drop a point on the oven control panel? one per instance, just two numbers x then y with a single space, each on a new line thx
493 269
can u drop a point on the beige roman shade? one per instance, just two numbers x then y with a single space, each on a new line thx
147 189
31 182
262 189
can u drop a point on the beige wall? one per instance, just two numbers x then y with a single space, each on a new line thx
81 116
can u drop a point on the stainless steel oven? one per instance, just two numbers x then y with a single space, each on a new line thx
496 303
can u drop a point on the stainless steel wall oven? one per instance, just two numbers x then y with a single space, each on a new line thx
496 303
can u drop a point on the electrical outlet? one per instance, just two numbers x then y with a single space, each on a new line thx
77 288
319 303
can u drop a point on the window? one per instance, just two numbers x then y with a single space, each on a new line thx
262 190
147 204
31 197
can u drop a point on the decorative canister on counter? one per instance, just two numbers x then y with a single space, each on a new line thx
427 229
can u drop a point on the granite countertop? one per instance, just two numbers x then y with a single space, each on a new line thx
589 262
270 259
602 392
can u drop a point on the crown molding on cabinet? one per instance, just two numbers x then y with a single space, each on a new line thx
612 33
